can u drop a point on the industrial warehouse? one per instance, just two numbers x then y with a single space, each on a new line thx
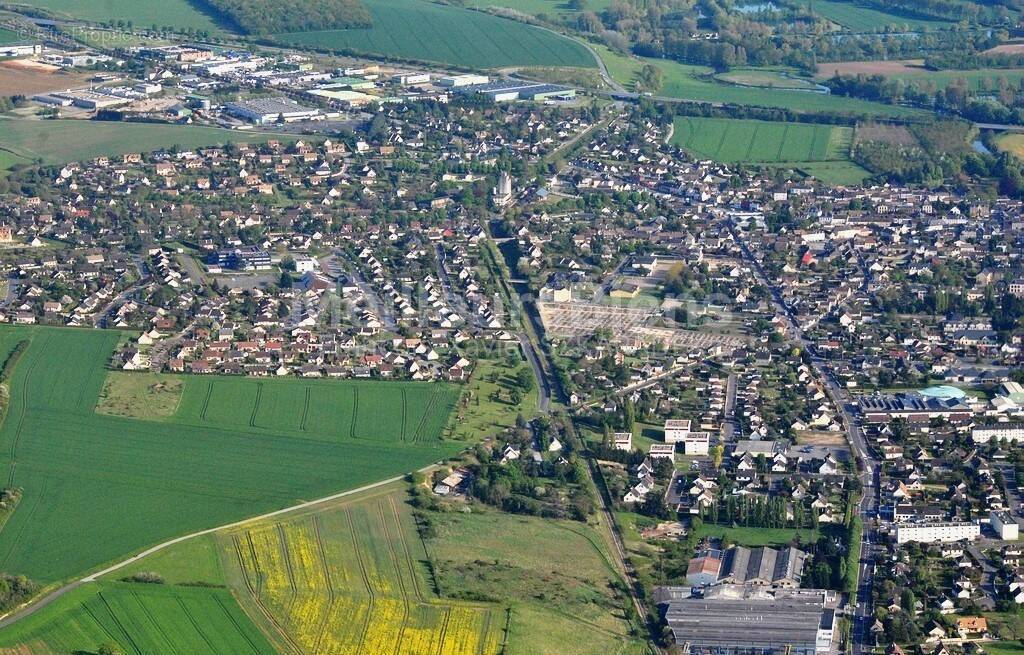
509 90
736 618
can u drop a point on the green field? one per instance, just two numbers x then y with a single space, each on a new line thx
97 487
557 576
984 79
734 140
765 78
421 30
9 36
696 83
139 618
58 142
856 18
835 172
753 537
143 14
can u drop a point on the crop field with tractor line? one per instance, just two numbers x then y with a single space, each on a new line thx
98 487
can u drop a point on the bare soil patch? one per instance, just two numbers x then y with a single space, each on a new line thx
882 132
870 68
17 79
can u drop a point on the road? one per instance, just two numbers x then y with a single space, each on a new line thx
869 467
25 611
729 424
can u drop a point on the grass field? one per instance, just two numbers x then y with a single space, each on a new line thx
98 487
835 172
866 19
139 618
9 36
732 140
555 575
140 395
1010 142
477 414
421 30
765 78
696 83
352 579
754 537
58 142
180 14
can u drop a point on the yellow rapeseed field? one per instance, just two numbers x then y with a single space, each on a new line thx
355 592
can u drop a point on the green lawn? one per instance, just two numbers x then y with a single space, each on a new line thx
696 83
180 14
97 487
139 618
58 142
754 537
857 18
421 30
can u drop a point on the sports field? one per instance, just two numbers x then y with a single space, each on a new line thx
421 30
143 14
58 142
732 140
696 83
766 78
98 487
138 618
857 18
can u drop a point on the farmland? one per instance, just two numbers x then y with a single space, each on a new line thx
58 142
412 29
18 79
914 72
351 579
695 83
732 140
139 618
97 487
180 14
857 18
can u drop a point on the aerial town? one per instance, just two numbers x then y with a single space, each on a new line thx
364 348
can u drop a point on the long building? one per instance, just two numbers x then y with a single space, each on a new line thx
913 407
937 532
268 110
1006 431
735 619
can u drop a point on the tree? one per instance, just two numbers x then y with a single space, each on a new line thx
286 281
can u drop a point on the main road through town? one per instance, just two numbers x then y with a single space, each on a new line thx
869 468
